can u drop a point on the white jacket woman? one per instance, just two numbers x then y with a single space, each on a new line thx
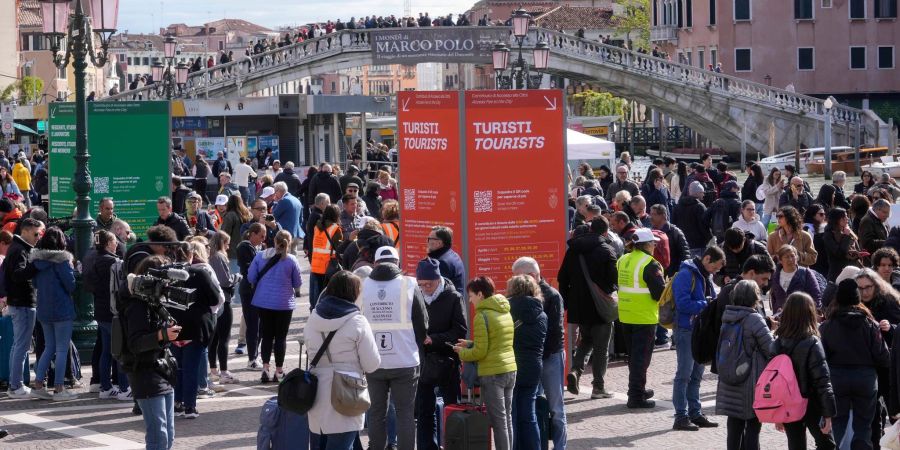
773 187
352 350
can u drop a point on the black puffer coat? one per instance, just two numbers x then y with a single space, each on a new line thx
851 339
813 377
737 400
600 259
688 216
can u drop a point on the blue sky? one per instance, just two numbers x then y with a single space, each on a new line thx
145 16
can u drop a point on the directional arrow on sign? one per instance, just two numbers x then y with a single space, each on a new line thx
551 103
406 105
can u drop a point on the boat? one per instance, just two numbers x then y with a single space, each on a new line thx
887 165
844 158
782 159
690 154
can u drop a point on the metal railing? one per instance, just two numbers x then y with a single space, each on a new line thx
563 46
664 33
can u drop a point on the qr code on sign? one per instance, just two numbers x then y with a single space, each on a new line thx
409 199
101 185
484 201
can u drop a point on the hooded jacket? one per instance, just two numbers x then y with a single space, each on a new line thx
600 259
690 302
688 216
737 400
352 350
55 283
18 273
492 347
811 369
530 324
851 339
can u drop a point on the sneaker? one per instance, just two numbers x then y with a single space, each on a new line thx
214 377
684 424
228 378
64 395
108 394
217 388
191 413
663 346
125 396
572 383
205 393
640 404
41 394
240 349
256 364
648 393
94 388
21 392
74 384
599 393
179 409
702 422
277 376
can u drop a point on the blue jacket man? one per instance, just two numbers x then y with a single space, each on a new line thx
691 288
440 241
287 210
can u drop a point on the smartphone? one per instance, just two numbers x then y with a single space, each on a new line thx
864 254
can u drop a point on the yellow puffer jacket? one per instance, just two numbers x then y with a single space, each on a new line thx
22 177
493 345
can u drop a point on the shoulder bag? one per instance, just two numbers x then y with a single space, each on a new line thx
334 261
606 305
297 392
271 263
349 393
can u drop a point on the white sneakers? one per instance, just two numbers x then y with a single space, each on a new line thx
20 393
64 395
125 396
41 394
256 364
227 378
112 393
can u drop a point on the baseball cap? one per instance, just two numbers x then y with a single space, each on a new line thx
194 194
267 192
643 235
386 252
221 200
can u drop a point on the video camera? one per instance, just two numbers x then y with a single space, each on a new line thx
161 286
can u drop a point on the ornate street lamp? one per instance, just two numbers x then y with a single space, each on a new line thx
541 55
61 21
827 105
519 77
164 77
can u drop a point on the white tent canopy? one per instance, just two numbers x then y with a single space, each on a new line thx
581 146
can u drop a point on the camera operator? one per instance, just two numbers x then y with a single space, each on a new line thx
261 216
148 330
199 322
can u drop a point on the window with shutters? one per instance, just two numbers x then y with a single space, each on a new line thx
803 9
806 59
858 58
742 61
886 57
741 10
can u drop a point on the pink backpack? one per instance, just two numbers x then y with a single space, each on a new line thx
777 398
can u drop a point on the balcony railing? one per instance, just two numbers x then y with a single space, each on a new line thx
665 33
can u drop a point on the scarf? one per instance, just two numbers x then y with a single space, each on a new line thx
434 295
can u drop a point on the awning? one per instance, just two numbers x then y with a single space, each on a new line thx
21 127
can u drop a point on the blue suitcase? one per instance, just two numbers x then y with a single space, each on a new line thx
439 418
280 429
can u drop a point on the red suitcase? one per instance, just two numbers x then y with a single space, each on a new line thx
466 427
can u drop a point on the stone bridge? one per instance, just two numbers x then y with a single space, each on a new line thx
730 111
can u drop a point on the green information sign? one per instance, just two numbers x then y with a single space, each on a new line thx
129 144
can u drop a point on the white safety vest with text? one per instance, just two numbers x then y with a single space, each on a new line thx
388 307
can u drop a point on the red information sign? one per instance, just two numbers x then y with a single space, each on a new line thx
428 150
515 172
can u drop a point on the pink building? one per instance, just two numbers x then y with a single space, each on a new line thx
844 48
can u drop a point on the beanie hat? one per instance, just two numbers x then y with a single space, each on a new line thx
6 205
696 189
428 269
847 293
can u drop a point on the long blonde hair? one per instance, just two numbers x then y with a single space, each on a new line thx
282 243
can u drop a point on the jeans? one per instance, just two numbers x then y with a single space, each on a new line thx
639 343
106 359
497 392
400 386
743 434
552 376
190 358
426 433
56 336
856 389
245 194
526 434
203 369
23 327
340 441
593 338
686 388
796 431
316 286
159 420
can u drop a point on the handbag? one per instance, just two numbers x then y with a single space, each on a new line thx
334 263
349 393
436 369
297 392
271 263
891 438
607 306
470 369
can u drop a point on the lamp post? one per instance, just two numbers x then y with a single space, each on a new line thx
168 79
519 77
61 21
827 105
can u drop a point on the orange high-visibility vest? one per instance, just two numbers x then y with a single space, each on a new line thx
392 230
322 251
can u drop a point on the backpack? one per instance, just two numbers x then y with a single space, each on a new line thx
666 304
709 193
705 335
777 398
661 252
720 220
732 361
